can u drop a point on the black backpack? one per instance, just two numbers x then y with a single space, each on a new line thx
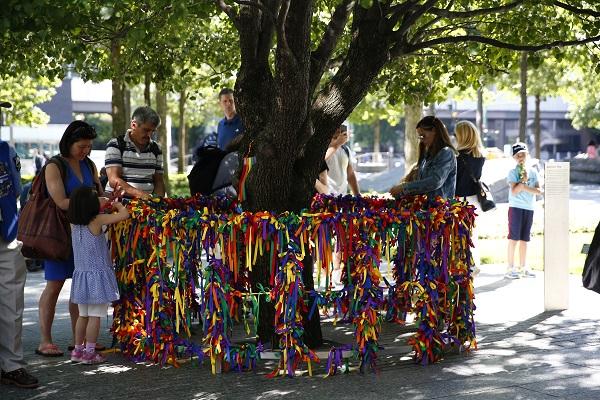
205 169
153 146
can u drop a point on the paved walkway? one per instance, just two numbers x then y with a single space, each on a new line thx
524 353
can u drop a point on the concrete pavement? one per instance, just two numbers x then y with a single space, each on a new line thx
524 353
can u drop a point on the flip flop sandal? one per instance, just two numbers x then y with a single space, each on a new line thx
49 350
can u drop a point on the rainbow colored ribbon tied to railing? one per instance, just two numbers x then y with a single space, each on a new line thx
182 260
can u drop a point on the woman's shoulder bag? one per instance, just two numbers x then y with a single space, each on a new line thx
43 227
484 195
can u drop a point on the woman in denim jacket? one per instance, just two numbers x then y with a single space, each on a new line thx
435 171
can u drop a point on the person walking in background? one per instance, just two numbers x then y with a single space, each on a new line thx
75 146
38 161
469 165
524 186
435 171
12 275
94 284
340 172
133 161
231 125
592 150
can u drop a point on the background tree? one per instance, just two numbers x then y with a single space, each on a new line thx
580 88
540 75
373 111
25 93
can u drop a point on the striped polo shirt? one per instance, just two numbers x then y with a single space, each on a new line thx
138 166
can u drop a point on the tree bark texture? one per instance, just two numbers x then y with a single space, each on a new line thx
119 118
523 115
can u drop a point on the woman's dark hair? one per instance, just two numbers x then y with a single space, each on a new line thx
84 205
592 143
76 131
441 140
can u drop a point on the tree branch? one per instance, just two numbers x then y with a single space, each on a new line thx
322 54
281 18
397 11
258 5
498 43
412 17
227 9
445 13
444 53
576 10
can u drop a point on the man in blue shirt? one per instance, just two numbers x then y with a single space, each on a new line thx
230 126
12 275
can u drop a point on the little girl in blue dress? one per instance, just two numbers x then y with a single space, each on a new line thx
94 284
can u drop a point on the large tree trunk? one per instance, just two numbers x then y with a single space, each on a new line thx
119 118
523 116
161 109
182 133
412 114
275 111
538 127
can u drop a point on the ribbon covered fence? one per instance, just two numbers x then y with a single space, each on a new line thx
165 284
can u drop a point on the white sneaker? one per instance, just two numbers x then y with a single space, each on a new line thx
528 274
512 275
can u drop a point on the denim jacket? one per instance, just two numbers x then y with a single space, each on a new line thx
436 177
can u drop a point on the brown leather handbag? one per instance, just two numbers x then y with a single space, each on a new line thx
43 227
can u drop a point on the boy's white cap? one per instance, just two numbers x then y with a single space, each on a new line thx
518 147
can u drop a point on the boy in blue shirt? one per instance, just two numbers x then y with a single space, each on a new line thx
524 186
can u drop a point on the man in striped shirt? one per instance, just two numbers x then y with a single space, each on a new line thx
134 161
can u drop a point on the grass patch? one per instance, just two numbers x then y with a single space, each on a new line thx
179 185
493 251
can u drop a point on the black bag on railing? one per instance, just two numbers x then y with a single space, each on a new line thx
591 268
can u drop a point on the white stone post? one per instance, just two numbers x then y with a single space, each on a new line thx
556 236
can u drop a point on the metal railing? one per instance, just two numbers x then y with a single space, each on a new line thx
374 162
